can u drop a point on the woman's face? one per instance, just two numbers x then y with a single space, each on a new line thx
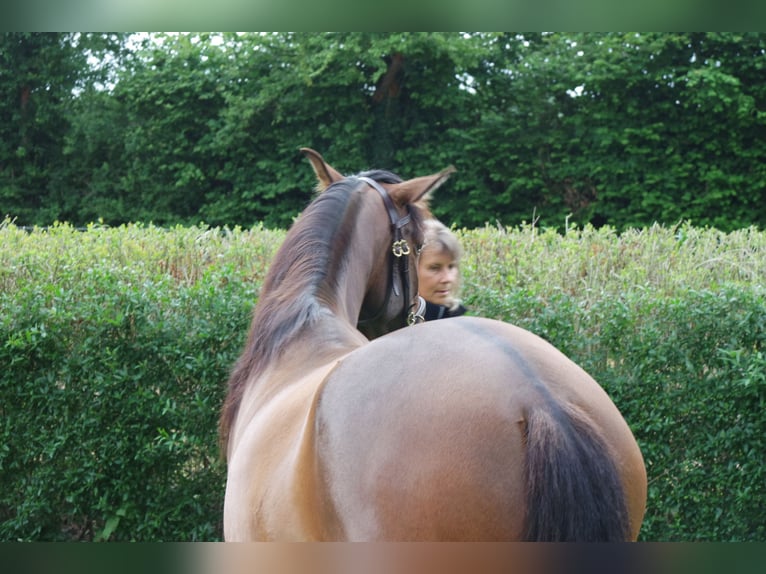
437 275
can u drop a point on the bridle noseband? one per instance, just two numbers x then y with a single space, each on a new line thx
400 251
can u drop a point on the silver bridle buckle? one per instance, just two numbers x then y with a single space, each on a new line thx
417 316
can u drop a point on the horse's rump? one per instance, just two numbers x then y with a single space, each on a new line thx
469 429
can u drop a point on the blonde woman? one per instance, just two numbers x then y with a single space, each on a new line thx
439 272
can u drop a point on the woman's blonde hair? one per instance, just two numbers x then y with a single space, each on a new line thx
438 237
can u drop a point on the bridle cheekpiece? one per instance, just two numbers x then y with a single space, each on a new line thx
400 251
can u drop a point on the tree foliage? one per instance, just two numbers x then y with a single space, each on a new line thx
40 75
606 128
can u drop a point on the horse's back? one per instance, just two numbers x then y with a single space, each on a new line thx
423 433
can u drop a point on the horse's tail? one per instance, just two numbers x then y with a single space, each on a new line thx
574 489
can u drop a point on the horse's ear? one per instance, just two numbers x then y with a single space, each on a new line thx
420 189
326 174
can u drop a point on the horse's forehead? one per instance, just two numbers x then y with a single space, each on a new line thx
409 216
372 217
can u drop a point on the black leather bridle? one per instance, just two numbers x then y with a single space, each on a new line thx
400 252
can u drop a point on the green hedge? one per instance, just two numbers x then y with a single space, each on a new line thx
115 345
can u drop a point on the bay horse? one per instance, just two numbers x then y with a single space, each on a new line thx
341 423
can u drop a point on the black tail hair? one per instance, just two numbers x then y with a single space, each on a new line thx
574 489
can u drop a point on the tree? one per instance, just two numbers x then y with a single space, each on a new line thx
39 74
662 127
604 128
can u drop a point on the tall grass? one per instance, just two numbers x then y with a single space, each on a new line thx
590 263
586 263
135 252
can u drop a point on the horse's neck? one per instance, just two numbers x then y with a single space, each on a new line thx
322 345
328 330
330 337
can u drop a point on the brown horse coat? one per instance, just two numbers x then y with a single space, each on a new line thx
463 429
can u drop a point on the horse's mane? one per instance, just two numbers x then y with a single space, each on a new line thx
298 285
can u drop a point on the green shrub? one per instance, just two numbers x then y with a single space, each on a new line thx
114 349
115 345
687 375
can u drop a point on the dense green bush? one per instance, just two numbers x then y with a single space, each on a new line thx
114 349
688 376
115 345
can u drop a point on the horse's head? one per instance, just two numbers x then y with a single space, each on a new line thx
391 224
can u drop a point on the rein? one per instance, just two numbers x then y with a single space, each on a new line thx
400 250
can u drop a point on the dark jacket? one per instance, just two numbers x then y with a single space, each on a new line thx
434 311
